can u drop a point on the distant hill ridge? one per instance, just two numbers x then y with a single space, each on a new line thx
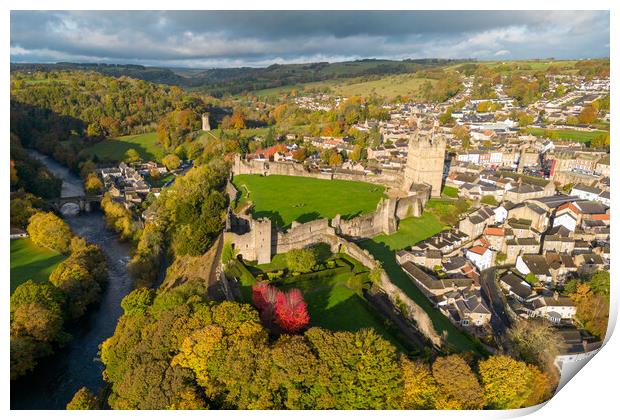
221 81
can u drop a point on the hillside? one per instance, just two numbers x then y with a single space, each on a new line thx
221 81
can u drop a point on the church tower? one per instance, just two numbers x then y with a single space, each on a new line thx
425 158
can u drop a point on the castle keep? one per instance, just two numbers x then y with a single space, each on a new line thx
425 159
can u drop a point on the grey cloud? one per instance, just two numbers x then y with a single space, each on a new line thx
207 39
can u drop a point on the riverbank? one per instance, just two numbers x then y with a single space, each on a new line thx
57 378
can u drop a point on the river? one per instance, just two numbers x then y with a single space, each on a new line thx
53 383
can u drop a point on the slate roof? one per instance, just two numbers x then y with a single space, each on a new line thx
537 264
517 285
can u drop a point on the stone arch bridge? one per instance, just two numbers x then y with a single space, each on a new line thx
83 202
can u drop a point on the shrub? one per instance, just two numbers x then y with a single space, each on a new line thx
301 260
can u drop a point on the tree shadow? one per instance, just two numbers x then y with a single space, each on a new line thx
351 215
308 217
274 216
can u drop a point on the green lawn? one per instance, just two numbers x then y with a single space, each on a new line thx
456 339
114 149
565 134
411 231
285 199
334 296
30 261
451 192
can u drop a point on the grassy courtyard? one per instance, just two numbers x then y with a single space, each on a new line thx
285 199
30 261
114 149
334 295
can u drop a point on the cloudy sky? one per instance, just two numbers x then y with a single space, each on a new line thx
229 39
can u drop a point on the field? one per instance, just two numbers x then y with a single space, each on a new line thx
114 149
565 134
388 86
285 199
334 296
29 261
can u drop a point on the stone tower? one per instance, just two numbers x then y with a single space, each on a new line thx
205 122
425 159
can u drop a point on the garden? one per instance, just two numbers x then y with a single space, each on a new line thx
332 286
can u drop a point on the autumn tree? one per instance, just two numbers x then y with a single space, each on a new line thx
171 161
420 389
237 120
509 384
335 160
291 311
119 218
131 156
93 184
459 387
299 155
83 399
588 114
36 324
50 231
592 309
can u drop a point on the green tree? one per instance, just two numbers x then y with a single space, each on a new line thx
301 260
50 231
138 301
132 155
83 399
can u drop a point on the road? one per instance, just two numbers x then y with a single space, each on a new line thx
500 321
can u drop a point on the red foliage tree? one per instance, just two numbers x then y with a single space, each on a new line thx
286 311
264 297
291 311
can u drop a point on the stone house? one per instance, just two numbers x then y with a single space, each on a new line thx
474 223
535 264
465 307
433 287
530 211
520 246
555 309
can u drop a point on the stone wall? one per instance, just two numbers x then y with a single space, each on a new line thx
254 167
231 192
300 235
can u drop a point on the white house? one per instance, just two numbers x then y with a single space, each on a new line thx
480 256
555 309
567 220
585 192
604 198
501 213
